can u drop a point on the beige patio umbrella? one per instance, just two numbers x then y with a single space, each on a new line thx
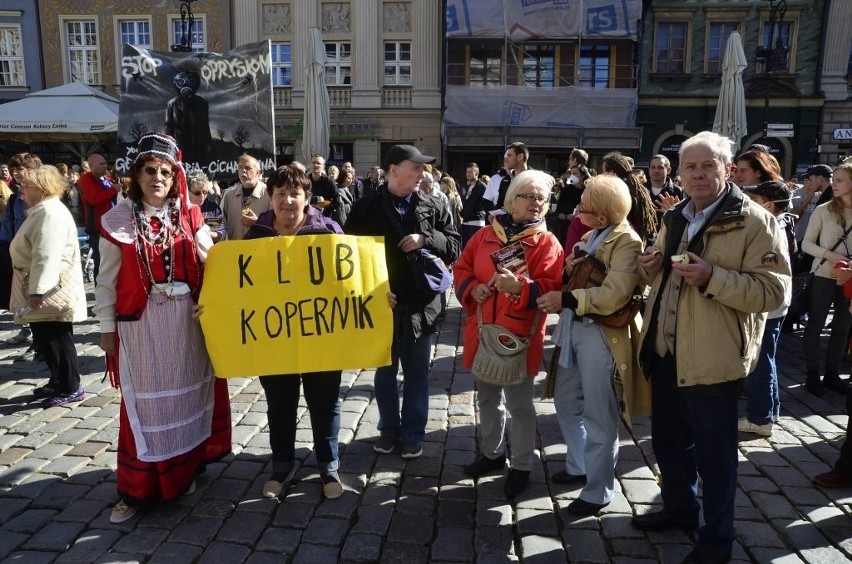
731 120
316 125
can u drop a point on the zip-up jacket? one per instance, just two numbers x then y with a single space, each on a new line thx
719 327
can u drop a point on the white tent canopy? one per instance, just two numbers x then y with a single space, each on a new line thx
71 111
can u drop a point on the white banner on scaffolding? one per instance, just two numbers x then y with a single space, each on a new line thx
520 20
516 105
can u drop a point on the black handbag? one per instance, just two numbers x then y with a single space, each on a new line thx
800 303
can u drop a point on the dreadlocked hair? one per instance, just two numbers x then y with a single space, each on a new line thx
642 216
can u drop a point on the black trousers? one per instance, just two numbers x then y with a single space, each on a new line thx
54 341
844 463
95 245
5 275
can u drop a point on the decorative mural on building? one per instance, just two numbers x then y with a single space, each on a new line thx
276 19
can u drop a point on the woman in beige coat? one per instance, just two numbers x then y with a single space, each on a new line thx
595 375
46 259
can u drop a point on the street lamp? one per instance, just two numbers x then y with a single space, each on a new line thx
774 54
187 19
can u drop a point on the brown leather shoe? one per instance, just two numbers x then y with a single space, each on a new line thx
832 479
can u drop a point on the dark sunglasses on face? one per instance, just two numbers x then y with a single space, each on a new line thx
198 193
164 172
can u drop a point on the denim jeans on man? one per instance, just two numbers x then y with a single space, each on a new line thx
694 431
764 401
414 354
322 394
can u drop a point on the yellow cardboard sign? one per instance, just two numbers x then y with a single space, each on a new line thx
288 305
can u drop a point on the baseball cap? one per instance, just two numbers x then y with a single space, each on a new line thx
399 153
774 191
818 169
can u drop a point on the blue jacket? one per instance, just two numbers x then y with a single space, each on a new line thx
13 217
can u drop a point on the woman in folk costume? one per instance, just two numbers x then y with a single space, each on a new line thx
175 415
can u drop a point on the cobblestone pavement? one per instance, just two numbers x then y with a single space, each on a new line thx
57 484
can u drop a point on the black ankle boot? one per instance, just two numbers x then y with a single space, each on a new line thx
833 382
813 384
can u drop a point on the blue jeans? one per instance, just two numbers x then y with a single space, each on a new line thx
695 432
764 402
322 394
415 355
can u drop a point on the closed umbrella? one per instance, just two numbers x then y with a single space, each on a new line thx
317 120
731 120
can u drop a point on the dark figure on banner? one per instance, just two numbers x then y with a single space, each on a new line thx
188 119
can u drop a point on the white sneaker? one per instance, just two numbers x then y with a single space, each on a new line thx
746 426
122 512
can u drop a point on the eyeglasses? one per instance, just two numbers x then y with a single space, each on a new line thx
198 193
165 172
532 198
580 209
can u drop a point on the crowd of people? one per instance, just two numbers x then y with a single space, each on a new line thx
718 242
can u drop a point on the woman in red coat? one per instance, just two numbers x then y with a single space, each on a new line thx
508 298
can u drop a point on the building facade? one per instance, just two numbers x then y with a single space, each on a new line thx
383 72
81 41
20 50
680 73
835 136
552 74
67 41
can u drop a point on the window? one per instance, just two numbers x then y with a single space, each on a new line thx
485 64
670 48
780 45
136 33
195 34
11 57
282 64
338 66
398 63
594 66
717 41
539 62
81 39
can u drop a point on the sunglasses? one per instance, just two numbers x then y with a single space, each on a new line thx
198 193
165 172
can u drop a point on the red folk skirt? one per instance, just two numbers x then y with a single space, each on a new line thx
143 483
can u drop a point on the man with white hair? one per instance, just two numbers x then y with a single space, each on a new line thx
717 266
244 201
431 188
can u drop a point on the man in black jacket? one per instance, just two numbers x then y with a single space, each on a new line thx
476 205
408 221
